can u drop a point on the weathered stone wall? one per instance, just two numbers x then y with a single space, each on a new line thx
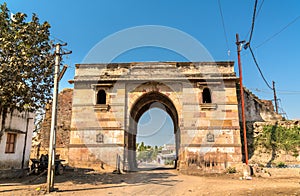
263 156
64 113
257 110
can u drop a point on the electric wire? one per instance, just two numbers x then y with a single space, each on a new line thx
248 45
223 24
261 91
289 92
257 13
262 75
259 9
275 34
253 21
282 92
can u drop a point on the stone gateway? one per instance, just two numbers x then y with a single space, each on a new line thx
200 98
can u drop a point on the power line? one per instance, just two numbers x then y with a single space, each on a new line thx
262 75
261 90
224 29
249 45
253 21
257 13
251 51
282 92
289 92
275 34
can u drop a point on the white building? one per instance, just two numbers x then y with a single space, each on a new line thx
15 143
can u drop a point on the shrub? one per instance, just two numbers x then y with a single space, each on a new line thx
281 165
231 170
279 138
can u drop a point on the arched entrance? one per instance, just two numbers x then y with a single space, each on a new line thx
144 103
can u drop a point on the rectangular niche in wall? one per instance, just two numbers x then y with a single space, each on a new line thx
100 138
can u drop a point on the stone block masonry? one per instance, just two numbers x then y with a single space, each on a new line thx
109 99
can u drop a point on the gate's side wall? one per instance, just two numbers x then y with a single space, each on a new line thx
218 120
97 130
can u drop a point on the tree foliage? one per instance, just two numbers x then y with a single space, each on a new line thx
146 153
26 63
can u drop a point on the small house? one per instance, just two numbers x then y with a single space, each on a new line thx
15 143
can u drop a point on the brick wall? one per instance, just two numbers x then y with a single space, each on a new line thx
64 113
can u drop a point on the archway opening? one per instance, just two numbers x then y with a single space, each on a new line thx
155 140
153 101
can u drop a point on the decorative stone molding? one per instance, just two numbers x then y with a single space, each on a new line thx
102 107
102 86
208 106
205 84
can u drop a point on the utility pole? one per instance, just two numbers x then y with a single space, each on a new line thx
275 98
52 139
239 47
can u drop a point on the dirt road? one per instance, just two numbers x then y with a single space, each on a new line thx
155 182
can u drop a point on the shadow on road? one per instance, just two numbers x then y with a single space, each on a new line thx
143 176
161 176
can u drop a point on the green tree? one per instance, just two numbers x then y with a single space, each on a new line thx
26 63
154 153
141 147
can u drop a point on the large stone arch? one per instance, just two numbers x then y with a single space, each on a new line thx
141 105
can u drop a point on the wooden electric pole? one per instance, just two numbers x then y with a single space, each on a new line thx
239 47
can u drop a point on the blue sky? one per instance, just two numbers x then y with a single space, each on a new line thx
82 24
155 127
